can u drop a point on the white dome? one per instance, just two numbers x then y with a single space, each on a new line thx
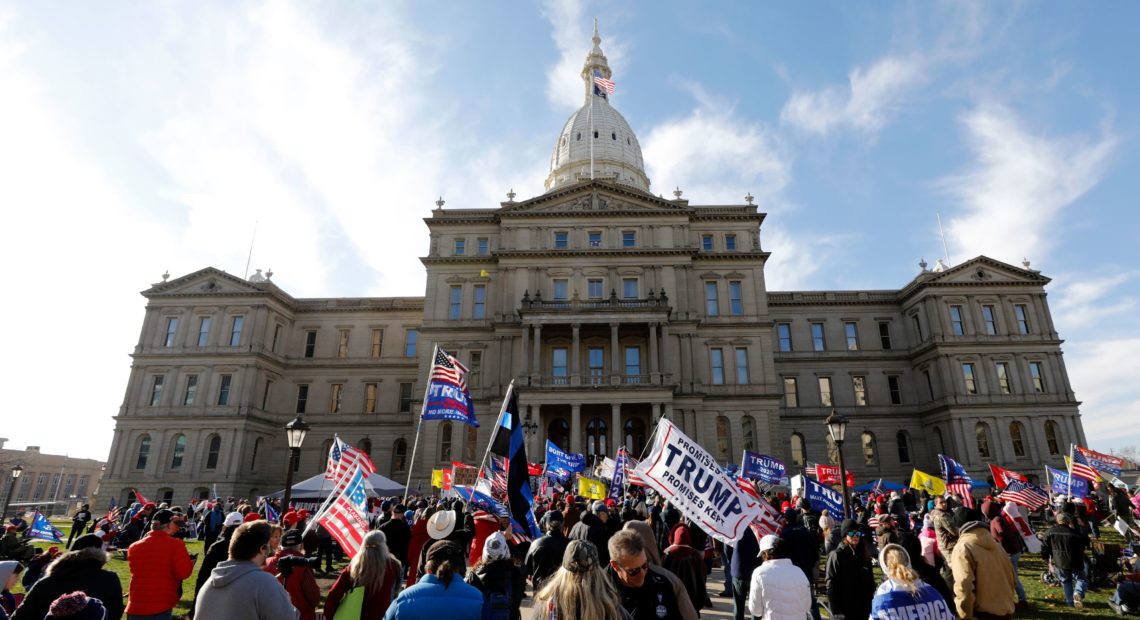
616 152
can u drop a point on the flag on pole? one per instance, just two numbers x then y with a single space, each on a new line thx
1080 466
1025 494
748 487
1061 482
593 489
139 497
933 485
343 458
617 483
271 514
1099 461
510 444
810 470
603 83
1003 476
957 480
631 466
437 478
770 521
447 395
346 519
42 529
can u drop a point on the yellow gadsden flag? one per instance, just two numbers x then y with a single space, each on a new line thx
926 482
593 489
437 478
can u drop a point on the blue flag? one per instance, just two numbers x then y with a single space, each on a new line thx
556 459
761 467
42 529
508 443
617 483
481 500
1060 483
447 395
952 471
822 498
271 514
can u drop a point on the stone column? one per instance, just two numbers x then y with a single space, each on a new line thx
524 358
536 361
576 356
667 351
615 415
615 359
654 375
576 428
656 413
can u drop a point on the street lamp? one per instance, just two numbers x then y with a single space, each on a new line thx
16 471
295 432
837 427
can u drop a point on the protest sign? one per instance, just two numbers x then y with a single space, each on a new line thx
689 477
820 497
761 467
556 458
463 475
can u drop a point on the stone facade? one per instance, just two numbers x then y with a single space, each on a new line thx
58 484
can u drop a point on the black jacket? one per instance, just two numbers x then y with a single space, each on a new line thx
494 577
850 582
545 557
1066 547
592 529
399 535
803 548
77 570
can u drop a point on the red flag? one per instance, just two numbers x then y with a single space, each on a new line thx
1003 476
533 469
139 497
829 474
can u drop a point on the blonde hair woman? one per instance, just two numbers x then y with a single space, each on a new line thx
580 590
374 571
903 592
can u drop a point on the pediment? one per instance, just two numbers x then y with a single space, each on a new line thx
595 197
985 270
208 281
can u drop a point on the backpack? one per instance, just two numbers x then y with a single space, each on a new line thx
498 605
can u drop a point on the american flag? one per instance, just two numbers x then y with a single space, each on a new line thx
957 480
770 521
749 487
448 369
606 85
346 519
631 468
873 521
343 457
498 469
810 470
1025 494
1080 466
114 514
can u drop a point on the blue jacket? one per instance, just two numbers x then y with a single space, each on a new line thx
744 557
430 599
892 602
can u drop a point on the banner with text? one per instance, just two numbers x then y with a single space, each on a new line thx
829 474
761 467
690 478
557 459
1061 482
823 498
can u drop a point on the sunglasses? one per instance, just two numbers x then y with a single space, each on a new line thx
633 572
855 534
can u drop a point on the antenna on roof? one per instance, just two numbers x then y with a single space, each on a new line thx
250 255
942 233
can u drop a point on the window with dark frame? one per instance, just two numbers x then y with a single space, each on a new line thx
405 404
885 335
302 397
224 390
310 343
895 389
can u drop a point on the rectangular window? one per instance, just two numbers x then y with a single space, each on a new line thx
716 359
276 338
410 338
818 342
628 239
629 288
156 391
594 288
1003 377
633 364
235 330
791 392
483 246
370 398
561 240
479 302
929 384
742 366
171 329
474 365
558 366
707 243
917 327
859 386
595 238
377 342
971 381
265 395
1022 316
302 397
895 389
956 321
596 362
735 298
1037 376
191 390
712 307
405 397
203 331
825 391
885 335
455 302
561 289
988 318
730 242
460 246
336 394
224 390
851 330
784 333
310 343
342 343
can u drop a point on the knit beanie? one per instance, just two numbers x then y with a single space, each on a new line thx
76 606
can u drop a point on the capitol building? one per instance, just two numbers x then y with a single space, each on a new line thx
609 307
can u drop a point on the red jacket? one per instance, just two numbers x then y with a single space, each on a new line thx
159 563
301 585
415 547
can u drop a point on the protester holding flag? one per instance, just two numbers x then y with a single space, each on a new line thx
81 569
369 582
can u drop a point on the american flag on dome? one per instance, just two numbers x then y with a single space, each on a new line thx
1025 494
957 480
342 459
447 396
346 518
603 83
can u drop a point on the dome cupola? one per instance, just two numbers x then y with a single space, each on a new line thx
596 142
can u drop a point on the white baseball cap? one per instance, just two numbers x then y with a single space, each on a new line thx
768 542
234 518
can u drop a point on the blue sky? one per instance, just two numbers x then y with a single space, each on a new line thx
140 138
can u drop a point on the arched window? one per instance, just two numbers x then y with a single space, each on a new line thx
723 439
472 438
798 451
868 448
1016 438
144 452
982 432
400 455
941 442
214 451
166 496
634 436
558 431
597 434
749 427
178 452
445 441
903 443
1052 438
365 446
253 455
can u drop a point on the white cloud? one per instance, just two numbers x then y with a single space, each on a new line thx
1103 374
865 104
1084 301
571 34
1018 183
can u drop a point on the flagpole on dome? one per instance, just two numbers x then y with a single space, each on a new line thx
591 112
419 426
